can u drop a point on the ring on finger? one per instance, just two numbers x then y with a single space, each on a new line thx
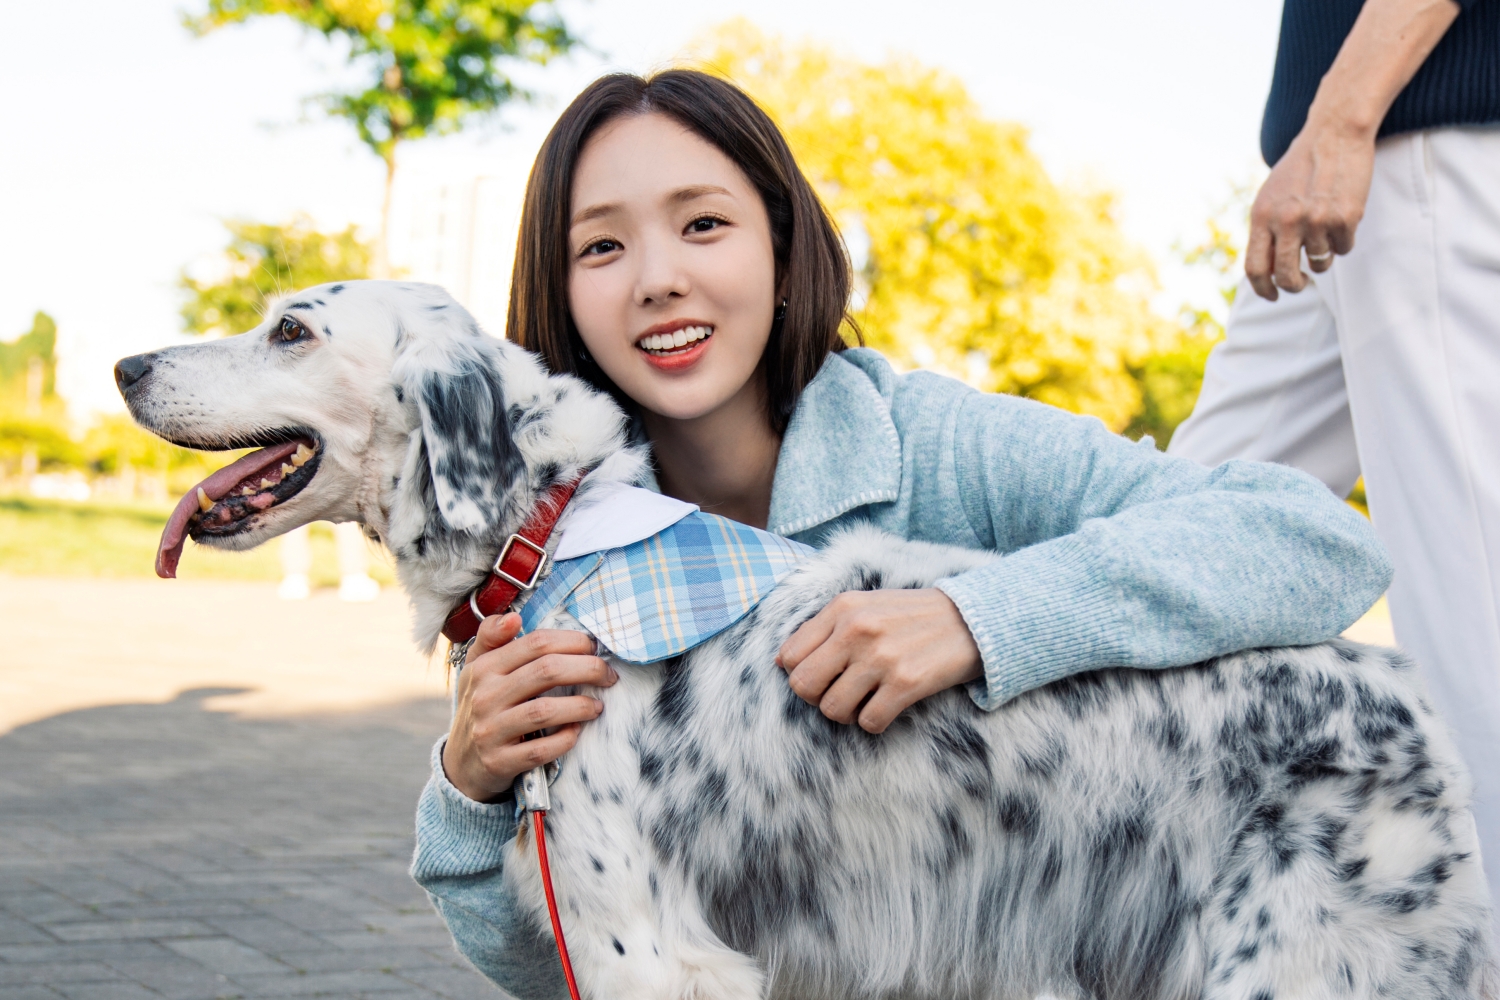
1320 258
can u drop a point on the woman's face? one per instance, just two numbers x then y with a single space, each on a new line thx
673 280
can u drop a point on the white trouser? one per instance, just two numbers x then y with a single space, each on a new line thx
1390 364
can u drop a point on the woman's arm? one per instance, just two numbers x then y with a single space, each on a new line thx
462 830
1316 194
1117 556
1120 555
459 856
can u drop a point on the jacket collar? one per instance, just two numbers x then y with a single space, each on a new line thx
841 450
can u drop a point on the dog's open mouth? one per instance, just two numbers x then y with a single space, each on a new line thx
225 502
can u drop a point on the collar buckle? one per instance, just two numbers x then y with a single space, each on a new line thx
536 573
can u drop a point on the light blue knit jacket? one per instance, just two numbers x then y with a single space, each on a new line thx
1116 555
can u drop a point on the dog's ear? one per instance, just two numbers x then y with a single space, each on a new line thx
471 457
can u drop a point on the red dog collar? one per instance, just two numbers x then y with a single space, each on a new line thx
517 569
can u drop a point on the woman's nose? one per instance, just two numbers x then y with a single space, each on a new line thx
662 277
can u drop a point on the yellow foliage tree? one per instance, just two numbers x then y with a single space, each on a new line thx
976 263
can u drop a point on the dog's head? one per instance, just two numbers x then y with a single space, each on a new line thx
372 401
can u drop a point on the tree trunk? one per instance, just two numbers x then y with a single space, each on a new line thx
382 264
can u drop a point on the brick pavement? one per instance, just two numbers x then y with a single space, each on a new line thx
176 850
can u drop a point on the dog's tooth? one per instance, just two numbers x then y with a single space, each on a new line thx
301 455
266 484
679 338
204 503
248 491
287 470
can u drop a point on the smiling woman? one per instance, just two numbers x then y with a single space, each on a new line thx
672 254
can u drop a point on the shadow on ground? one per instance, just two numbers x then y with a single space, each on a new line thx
171 851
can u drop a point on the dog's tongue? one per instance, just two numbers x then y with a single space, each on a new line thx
217 487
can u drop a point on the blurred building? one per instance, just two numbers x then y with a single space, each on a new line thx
459 231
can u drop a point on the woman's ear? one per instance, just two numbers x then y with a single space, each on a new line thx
471 456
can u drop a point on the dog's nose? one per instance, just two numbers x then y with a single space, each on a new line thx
129 371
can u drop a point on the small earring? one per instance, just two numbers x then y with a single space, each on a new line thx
780 310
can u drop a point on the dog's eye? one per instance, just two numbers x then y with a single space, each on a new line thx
291 330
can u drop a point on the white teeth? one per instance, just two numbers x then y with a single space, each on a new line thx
676 339
204 503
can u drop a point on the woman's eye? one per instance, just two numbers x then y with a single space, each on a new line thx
291 330
707 224
599 248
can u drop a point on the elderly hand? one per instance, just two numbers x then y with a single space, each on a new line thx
1316 194
1314 198
498 703
892 647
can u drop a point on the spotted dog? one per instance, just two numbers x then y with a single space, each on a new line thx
1280 824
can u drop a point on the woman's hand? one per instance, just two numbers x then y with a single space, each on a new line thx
1316 195
895 647
498 703
1314 198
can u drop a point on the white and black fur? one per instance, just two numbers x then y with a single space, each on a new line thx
1280 824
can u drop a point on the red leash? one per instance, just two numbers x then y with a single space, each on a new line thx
517 569
538 823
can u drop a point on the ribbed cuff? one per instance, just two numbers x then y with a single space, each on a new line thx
1038 615
456 835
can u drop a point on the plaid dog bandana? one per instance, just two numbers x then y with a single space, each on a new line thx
665 594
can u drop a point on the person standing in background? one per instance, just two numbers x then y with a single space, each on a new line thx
1384 117
355 582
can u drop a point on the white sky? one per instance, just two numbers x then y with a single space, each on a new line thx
128 140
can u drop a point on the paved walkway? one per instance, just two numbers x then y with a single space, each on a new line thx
227 831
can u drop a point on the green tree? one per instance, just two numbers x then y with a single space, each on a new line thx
977 263
21 360
430 65
1172 376
263 261
1169 379
33 418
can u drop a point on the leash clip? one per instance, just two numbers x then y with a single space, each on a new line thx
458 652
531 788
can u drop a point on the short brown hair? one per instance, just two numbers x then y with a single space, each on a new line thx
812 265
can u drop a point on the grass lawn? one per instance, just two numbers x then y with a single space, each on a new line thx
61 538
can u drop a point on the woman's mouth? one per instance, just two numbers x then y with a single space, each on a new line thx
672 350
